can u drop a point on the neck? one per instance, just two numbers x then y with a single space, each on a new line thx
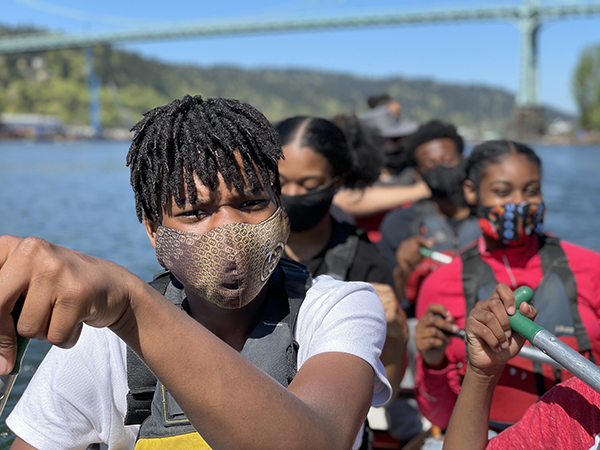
450 209
492 244
232 326
307 244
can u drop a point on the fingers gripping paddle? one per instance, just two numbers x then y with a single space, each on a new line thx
542 339
7 381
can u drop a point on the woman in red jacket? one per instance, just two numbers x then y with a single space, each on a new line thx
503 187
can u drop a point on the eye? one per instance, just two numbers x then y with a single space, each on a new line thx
313 185
501 192
194 215
255 204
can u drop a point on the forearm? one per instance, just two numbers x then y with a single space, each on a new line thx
376 199
469 423
393 357
227 392
399 282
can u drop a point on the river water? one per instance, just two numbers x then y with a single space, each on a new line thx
78 195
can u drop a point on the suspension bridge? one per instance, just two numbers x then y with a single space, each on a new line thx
529 16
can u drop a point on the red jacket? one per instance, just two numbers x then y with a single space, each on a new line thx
567 417
436 390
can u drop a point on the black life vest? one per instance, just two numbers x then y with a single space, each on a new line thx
555 299
343 246
448 239
428 222
271 346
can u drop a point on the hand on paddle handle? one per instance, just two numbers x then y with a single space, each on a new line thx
490 340
62 289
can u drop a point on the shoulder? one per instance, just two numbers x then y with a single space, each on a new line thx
396 227
95 347
398 216
98 357
575 393
328 295
369 265
581 255
347 317
585 265
84 386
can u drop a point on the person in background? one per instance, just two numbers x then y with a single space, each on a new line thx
392 104
443 223
566 417
253 354
503 185
317 162
395 185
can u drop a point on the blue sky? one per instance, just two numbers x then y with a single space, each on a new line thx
483 53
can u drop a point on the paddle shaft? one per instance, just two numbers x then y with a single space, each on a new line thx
542 339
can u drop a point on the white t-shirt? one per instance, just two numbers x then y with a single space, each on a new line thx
78 396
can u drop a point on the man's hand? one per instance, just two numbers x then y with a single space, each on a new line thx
490 340
430 337
62 290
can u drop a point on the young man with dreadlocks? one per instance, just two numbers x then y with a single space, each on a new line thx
205 178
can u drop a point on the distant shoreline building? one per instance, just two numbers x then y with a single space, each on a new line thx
32 126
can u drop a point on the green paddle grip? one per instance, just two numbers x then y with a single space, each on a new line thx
22 342
518 322
425 251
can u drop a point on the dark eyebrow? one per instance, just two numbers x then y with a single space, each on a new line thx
510 184
205 201
254 191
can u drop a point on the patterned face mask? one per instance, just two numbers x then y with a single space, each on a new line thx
229 265
511 223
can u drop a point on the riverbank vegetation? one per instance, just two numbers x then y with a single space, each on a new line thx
586 87
55 82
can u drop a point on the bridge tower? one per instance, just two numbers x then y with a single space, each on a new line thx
94 92
527 121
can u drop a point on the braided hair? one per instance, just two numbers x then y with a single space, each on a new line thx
493 152
327 139
202 137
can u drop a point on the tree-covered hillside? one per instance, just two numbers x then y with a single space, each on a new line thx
54 82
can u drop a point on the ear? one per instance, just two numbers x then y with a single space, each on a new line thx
151 227
470 192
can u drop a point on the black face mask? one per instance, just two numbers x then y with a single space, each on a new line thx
446 182
395 160
305 211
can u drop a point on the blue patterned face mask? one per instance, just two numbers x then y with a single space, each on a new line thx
513 224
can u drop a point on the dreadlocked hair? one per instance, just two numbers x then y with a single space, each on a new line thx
202 137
